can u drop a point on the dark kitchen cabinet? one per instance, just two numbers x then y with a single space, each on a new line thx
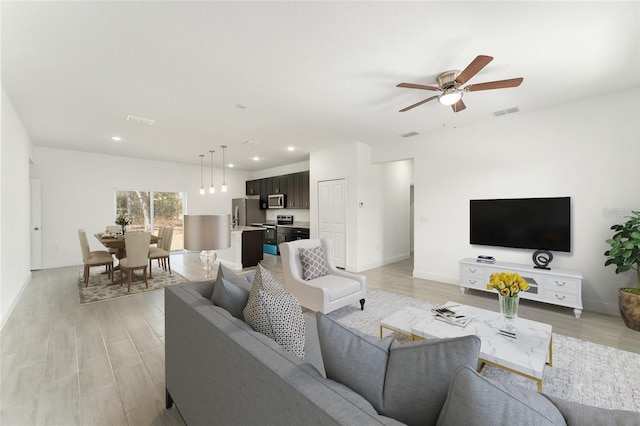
295 186
252 187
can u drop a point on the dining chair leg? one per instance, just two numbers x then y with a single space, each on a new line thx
150 272
86 276
129 272
144 275
168 260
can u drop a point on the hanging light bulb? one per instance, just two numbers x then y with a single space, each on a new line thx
212 189
201 175
223 188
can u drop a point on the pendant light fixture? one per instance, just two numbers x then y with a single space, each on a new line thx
212 189
223 188
201 175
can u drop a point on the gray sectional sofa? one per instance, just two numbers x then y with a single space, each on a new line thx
220 371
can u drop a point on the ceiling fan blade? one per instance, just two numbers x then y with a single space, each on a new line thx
418 104
501 84
417 86
458 106
473 68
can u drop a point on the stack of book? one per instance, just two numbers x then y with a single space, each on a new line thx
448 314
485 259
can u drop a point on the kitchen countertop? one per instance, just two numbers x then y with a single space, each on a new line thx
246 228
294 225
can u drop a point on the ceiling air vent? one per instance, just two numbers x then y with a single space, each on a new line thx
408 135
140 120
506 111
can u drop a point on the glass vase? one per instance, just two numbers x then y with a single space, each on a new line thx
124 229
509 310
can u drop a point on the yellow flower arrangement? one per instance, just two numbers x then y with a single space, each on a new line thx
508 284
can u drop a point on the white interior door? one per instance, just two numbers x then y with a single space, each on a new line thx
36 225
332 214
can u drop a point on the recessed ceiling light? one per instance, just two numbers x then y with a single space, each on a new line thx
290 148
230 165
240 106
256 158
116 138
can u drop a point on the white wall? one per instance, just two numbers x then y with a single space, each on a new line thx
377 231
15 241
78 191
587 150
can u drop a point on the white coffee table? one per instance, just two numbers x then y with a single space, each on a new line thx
526 354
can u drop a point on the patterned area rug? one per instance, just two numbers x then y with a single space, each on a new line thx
582 371
99 290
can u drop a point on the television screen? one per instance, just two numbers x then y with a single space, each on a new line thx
529 223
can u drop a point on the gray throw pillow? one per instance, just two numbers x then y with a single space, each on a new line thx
477 400
241 280
314 263
231 297
408 382
275 313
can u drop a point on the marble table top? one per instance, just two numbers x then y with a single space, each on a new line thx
526 353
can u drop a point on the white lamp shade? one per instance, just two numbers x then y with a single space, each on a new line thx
207 232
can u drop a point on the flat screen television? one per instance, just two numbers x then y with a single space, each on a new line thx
528 223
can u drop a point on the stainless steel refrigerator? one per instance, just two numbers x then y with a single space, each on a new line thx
245 211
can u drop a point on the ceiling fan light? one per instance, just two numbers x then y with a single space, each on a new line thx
450 98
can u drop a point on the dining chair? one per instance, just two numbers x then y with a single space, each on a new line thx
93 258
113 229
137 246
163 253
158 245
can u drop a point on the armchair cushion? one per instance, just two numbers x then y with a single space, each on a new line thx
275 313
336 286
314 263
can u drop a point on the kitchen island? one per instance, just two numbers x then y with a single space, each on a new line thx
246 248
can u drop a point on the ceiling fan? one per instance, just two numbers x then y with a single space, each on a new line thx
449 83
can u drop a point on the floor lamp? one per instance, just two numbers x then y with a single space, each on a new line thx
207 233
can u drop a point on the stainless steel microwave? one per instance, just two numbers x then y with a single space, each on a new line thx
276 201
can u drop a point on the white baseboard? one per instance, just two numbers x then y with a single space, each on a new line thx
7 314
435 277
381 262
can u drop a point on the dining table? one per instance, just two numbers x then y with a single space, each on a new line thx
117 242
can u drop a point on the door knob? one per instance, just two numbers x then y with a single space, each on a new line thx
36 229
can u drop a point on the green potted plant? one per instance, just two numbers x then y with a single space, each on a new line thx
625 254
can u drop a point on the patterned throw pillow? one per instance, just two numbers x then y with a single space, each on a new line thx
314 263
275 313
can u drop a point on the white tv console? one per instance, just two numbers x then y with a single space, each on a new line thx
555 286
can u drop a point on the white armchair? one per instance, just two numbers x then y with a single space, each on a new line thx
323 294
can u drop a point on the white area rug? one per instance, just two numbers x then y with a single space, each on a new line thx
100 287
582 371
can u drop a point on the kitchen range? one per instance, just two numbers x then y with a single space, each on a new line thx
283 230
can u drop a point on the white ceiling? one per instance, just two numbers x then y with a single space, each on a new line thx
312 74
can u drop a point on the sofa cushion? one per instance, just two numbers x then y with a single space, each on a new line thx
314 262
473 399
354 359
232 297
408 382
241 280
580 414
275 313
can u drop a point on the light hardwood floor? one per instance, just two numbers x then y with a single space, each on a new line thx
103 363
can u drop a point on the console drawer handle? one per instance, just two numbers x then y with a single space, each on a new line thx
560 283
473 271
560 298
472 282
